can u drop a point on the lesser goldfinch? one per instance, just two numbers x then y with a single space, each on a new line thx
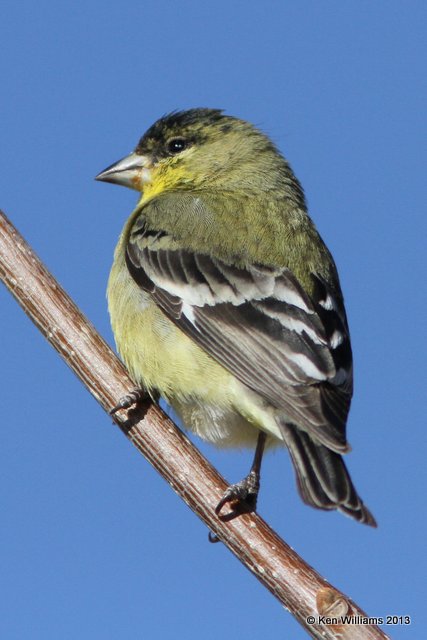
225 301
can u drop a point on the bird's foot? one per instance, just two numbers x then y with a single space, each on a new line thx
136 396
242 496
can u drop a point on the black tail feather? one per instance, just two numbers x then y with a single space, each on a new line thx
322 477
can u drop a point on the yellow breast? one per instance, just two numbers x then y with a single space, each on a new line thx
156 353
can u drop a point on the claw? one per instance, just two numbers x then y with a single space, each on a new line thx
213 538
242 495
127 401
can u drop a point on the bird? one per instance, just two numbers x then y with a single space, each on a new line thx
225 301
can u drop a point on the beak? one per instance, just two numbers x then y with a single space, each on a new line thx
133 171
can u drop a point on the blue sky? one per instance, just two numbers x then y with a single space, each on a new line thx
93 544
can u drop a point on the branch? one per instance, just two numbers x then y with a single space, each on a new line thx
289 578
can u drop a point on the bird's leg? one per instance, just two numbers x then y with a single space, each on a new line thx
135 397
246 491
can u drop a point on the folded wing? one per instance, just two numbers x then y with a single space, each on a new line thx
259 323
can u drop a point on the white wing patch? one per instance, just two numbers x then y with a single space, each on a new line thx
328 304
188 312
297 325
197 295
307 366
336 339
290 296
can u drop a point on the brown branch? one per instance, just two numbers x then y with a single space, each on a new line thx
289 578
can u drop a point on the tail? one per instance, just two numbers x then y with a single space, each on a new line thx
322 477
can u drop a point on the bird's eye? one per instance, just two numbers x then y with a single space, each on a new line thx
176 145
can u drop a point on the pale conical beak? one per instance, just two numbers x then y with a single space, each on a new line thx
133 171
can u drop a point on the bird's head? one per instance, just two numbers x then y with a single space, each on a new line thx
200 149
